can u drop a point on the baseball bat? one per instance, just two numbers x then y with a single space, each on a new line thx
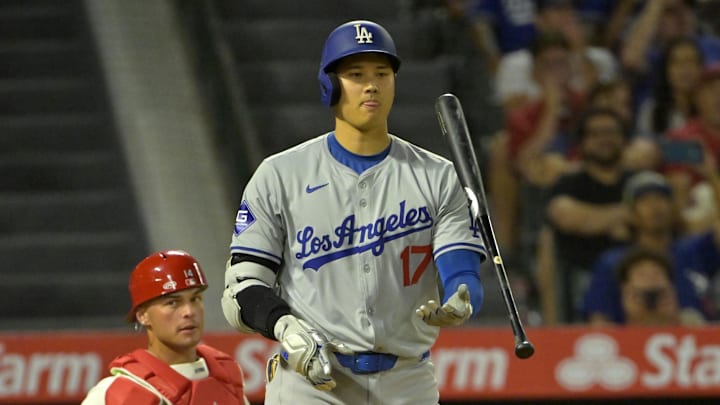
454 127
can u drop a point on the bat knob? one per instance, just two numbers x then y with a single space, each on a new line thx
524 349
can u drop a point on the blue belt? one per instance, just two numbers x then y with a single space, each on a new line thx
370 362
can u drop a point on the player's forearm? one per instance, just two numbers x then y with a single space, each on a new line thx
461 267
249 302
261 309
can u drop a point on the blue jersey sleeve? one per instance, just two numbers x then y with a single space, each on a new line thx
461 267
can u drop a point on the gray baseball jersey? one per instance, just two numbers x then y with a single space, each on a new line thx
356 250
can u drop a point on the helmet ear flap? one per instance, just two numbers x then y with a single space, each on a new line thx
329 88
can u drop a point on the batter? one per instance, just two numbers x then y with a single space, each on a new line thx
353 248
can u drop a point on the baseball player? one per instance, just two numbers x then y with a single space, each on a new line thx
167 300
352 249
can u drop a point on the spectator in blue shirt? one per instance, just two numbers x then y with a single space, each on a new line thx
649 197
659 23
646 289
512 23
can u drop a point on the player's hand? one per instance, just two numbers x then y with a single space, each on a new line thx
455 312
307 350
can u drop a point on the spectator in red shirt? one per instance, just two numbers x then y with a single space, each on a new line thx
533 148
539 132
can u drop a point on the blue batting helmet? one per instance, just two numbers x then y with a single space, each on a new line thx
351 38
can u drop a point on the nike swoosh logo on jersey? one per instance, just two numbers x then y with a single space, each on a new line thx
309 189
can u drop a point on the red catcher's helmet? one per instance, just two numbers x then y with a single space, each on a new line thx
163 273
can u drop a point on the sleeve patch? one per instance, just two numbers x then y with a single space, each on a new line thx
244 218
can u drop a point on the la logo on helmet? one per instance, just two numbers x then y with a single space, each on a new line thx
362 35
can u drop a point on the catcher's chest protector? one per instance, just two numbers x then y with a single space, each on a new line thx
223 386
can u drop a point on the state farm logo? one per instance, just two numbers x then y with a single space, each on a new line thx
669 361
471 368
596 361
47 373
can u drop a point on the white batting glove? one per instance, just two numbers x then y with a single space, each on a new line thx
307 350
455 312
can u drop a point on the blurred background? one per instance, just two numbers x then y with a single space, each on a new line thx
127 127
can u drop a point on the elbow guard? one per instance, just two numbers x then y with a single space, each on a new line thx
249 303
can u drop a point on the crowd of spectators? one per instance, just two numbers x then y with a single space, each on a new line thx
602 174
